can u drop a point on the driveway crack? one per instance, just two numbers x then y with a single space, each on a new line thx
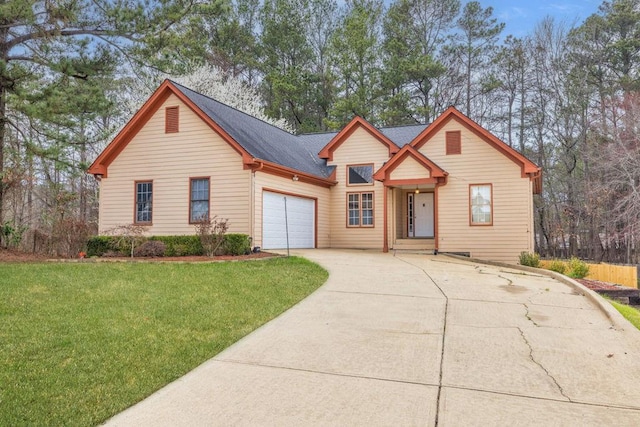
526 341
444 334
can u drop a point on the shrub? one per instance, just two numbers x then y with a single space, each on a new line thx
578 269
180 245
529 259
211 233
557 266
99 245
237 244
150 248
128 237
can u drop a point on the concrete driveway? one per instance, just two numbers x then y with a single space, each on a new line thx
417 340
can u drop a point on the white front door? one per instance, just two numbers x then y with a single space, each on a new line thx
423 215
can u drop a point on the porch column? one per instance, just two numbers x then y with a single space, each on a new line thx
385 228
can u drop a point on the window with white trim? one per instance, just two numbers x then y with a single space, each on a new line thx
360 209
481 204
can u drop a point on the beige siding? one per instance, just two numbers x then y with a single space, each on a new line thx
479 163
359 148
410 169
264 181
170 160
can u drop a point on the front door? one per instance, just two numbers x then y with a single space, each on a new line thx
421 215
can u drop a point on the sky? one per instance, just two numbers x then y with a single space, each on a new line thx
521 16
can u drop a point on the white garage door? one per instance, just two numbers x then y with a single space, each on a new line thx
299 219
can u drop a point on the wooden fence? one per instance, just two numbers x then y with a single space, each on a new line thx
626 275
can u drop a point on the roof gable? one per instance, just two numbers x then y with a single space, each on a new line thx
356 123
143 115
528 167
436 173
258 142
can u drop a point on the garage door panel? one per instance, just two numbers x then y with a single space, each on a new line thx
300 218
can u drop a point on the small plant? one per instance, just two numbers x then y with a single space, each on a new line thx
529 259
211 233
11 234
578 269
150 248
128 237
557 266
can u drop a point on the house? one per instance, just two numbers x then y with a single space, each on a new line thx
450 186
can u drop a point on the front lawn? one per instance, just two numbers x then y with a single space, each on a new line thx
81 342
629 313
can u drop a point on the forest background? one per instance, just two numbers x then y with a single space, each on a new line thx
567 95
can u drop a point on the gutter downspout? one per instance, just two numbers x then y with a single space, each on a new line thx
252 202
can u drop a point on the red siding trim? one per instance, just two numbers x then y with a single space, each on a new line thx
528 167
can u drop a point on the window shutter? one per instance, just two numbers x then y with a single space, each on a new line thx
171 120
453 142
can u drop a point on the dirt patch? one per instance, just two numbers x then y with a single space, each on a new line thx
513 289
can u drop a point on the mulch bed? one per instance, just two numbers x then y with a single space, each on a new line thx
192 258
596 285
16 256
7 255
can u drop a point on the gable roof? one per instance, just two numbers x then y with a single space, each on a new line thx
528 167
437 174
260 139
356 123
252 138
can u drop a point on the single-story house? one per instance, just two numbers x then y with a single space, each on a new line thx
450 186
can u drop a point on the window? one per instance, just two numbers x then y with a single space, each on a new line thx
171 120
453 142
360 175
199 205
144 202
481 206
360 209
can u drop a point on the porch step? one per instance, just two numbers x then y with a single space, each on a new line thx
415 251
414 244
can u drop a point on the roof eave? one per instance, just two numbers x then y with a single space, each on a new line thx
265 166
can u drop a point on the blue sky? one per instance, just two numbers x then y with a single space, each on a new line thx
521 16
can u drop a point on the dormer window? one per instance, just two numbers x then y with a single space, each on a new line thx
360 174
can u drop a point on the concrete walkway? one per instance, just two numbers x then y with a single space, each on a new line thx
416 340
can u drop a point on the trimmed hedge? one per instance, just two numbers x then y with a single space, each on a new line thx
234 244
181 245
99 245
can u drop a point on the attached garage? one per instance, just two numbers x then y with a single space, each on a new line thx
282 213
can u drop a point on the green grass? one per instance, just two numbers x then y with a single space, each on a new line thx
629 313
81 342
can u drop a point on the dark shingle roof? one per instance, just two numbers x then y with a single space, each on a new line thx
260 139
267 142
402 135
